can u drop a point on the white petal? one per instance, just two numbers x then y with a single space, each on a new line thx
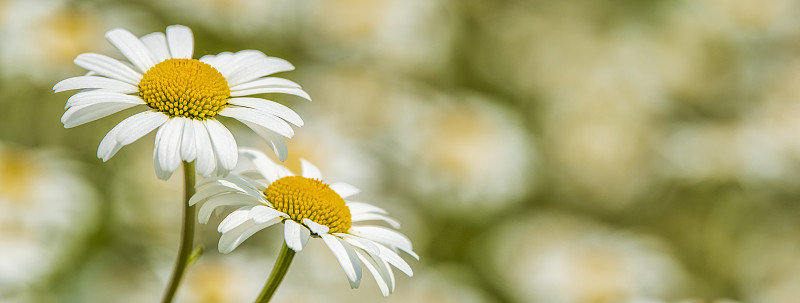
161 172
230 63
315 227
387 269
344 190
157 44
266 82
95 97
270 170
367 245
261 214
270 108
275 141
171 141
209 191
217 61
254 116
109 146
385 254
102 83
295 235
361 207
258 68
180 41
223 142
206 162
221 186
210 60
230 240
239 183
347 258
234 219
271 90
128 131
390 256
309 170
223 200
385 236
378 272
78 115
158 168
210 181
109 67
132 48
167 153
375 217
188 146
238 180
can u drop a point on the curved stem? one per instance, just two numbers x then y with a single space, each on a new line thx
278 272
187 233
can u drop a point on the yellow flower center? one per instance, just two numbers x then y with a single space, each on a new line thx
304 198
185 88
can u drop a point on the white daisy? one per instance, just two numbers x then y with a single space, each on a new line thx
183 96
307 208
47 210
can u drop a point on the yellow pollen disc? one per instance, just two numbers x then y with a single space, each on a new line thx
304 198
185 88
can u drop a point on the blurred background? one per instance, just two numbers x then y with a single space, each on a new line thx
535 151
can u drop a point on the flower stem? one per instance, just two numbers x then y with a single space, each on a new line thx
187 232
278 272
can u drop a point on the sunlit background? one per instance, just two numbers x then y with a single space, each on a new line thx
535 151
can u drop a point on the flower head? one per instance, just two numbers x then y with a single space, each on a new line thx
182 98
308 208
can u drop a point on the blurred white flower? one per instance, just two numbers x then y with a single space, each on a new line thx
766 142
411 36
238 18
470 154
46 209
307 207
743 17
599 93
416 37
568 260
760 147
350 22
463 149
222 279
40 38
184 96
701 152
598 153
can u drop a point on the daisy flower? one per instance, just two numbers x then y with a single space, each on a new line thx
182 98
308 208
42 196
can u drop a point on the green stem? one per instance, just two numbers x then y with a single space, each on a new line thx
278 272
187 233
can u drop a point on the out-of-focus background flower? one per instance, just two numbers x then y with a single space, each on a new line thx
535 151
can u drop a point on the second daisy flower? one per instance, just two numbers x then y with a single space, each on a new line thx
308 208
